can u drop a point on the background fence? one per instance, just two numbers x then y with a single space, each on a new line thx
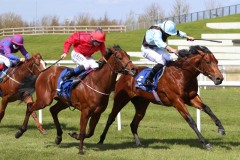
58 29
207 14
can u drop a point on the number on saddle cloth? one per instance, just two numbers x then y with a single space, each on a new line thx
140 78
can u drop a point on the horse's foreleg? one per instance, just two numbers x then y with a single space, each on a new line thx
120 100
207 110
85 114
92 124
185 114
197 102
34 115
38 124
140 110
23 128
55 109
3 107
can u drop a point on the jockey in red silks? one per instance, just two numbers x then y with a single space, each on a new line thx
84 46
9 46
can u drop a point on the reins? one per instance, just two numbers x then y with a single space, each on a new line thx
115 71
204 73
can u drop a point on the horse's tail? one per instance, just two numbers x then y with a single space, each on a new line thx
28 86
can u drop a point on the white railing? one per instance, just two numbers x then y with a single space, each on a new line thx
58 30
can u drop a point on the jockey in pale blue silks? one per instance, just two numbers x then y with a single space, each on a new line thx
155 48
9 46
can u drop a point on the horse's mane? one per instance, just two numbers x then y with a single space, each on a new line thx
109 51
184 53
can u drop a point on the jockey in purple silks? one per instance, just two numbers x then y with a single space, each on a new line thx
9 46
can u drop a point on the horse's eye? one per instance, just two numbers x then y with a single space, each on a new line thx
208 62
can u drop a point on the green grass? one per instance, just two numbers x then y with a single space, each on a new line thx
51 46
163 133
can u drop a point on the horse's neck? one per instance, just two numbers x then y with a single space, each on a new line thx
19 72
189 67
105 77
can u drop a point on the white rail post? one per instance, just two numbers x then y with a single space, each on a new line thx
119 121
40 116
198 115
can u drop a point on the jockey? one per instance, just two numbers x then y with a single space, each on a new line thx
84 46
154 46
9 46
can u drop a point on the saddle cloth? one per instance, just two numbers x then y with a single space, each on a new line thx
143 75
65 87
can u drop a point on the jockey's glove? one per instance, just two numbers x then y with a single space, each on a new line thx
101 62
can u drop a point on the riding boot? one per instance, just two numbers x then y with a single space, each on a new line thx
77 71
4 73
149 80
68 75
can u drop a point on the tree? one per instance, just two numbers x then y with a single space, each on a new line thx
212 4
180 7
11 20
50 21
153 12
83 19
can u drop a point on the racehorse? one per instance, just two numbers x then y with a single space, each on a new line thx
177 86
90 96
12 82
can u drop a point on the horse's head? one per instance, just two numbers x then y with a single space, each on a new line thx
121 60
35 64
208 63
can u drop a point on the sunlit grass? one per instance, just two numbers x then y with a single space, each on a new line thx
163 133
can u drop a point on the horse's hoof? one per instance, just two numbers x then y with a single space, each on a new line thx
58 140
73 134
43 132
221 131
100 142
207 146
18 134
81 152
139 145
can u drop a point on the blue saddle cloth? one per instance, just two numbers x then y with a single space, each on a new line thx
65 87
143 75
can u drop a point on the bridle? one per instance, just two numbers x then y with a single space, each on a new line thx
200 70
123 69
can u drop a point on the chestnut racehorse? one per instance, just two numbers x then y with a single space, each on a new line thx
177 86
90 96
12 82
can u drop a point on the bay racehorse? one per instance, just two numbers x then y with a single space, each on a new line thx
12 82
177 86
90 96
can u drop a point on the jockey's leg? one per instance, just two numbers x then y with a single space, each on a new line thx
149 80
73 72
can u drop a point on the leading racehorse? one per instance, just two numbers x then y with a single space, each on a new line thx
90 96
12 82
177 86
